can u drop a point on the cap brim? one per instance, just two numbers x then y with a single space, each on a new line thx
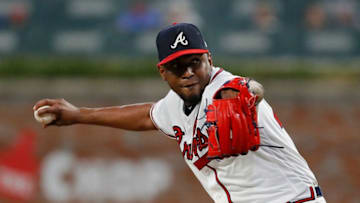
181 53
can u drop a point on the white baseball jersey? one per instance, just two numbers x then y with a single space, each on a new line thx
267 175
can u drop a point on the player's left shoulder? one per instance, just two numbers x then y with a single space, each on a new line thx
219 74
219 77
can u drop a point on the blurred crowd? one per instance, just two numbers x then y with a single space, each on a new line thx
140 15
333 14
13 15
26 20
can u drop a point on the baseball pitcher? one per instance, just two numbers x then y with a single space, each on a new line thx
228 134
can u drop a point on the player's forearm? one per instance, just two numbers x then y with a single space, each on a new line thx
129 117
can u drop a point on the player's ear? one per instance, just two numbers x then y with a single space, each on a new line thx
210 58
162 71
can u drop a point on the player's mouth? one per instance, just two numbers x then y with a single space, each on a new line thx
190 85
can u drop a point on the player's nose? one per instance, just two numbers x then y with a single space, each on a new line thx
188 73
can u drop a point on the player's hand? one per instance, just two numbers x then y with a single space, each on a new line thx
65 113
254 87
232 121
229 94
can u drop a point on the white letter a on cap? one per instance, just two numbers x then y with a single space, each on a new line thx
179 39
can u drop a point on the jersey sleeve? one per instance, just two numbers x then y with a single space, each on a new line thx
272 131
159 115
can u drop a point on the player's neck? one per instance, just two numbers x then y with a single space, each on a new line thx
188 109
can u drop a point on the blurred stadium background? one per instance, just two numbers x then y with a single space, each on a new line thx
102 52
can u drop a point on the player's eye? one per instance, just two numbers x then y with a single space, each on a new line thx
195 61
174 66
175 69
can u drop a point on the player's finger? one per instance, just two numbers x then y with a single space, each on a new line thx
44 102
51 109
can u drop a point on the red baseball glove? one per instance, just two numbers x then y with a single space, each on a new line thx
232 123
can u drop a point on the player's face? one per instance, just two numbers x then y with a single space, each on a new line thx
188 76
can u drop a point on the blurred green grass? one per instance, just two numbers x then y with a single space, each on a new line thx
40 66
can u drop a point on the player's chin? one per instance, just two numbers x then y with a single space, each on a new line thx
192 98
192 94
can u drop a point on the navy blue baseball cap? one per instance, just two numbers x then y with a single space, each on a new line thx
177 40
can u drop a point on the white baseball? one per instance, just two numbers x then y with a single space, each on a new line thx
257 89
44 118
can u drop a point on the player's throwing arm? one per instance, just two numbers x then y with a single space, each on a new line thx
60 112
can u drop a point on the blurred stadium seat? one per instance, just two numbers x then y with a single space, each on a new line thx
259 28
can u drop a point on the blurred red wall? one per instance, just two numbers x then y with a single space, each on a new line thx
98 164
